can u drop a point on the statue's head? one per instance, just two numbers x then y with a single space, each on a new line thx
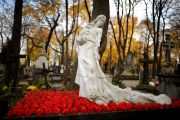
99 21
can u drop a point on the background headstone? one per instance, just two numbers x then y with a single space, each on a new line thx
40 61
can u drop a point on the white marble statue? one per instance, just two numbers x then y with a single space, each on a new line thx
91 79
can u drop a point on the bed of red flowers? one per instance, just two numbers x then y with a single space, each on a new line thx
51 102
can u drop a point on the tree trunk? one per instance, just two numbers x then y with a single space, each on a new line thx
66 62
101 7
13 66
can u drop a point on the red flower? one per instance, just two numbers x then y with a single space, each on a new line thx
123 106
64 103
138 106
39 112
175 104
129 106
83 109
68 102
65 111
48 111
107 109
74 111
114 108
12 113
89 108
20 112
28 112
98 109
56 110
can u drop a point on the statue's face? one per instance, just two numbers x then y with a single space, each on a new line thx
100 23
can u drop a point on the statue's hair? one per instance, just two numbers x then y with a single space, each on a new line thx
102 17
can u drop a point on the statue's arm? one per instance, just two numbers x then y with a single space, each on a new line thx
99 36
80 40
97 42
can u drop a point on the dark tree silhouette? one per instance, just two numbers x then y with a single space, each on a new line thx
12 50
101 7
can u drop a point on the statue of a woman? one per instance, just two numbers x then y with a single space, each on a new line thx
91 79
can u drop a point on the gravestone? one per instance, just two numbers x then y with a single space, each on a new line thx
41 67
28 72
39 73
168 45
40 60
55 77
169 79
144 72
169 84
129 70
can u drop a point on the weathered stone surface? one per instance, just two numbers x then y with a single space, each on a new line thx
170 85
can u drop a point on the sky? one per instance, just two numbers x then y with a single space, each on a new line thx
139 10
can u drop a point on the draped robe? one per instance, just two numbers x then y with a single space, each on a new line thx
92 81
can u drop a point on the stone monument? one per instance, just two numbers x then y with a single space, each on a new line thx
130 71
130 66
42 58
168 79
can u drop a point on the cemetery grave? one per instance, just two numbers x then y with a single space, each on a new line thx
55 58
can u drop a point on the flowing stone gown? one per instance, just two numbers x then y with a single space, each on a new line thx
92 81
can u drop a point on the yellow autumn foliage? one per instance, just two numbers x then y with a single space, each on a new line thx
113 53
82 10
37 39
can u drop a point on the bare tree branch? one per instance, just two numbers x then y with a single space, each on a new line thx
87 9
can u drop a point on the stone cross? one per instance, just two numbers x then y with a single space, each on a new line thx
168 44
145 76
44 72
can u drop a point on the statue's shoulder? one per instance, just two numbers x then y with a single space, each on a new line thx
96 29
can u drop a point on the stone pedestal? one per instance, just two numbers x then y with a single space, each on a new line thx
170 85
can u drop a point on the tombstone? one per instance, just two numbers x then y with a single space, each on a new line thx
169 79
41 68
55 77
144 72
168 45
71 78
130 69
29 74
40 60
169 84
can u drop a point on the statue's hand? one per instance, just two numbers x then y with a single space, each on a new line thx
81 41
